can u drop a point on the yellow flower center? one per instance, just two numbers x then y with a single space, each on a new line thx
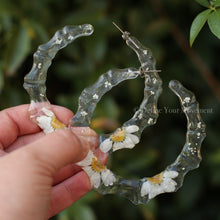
157 179
56 124
97 166
118 136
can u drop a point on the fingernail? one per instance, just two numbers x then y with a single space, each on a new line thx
88 134
84 134
84 131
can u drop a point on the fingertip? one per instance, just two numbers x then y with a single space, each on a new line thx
103 157
58 149
87 134
79 145
85 144
62 113
84 131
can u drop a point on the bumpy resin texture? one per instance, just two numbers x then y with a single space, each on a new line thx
127 136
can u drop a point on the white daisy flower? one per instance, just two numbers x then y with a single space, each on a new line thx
161 183
48 122
96 171
121 138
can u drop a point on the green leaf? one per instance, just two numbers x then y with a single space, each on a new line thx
204 3
216 3
197 24
17 50
214 22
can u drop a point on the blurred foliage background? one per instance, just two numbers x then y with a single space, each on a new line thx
163 26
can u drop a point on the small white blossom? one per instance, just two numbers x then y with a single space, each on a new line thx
39 65
132 72
96 171
107 84
140 116
186 100
145 52
121 138
199 125
84 113
158 184
70 37
95 96
58 41
150 121
154 80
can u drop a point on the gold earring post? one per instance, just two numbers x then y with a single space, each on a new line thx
118 27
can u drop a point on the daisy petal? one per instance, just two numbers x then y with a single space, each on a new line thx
170 182
106 145
156 190
95 180
128 143
87 160
131 128
152 195
118 146
47 112
89 171
170 174
108 177
133 138
145 189
170 187
44 123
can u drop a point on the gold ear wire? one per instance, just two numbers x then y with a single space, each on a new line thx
125 34
118 27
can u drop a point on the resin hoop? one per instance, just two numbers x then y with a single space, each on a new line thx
101 178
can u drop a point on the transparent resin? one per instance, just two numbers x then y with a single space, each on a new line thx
128 136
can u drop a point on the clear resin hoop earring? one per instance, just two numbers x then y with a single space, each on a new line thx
127 136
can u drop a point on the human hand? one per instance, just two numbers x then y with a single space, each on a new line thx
38 177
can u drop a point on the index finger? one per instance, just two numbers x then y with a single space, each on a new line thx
16 122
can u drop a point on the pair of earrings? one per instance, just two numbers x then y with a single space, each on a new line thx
127 136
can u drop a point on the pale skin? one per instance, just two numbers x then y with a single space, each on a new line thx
38 177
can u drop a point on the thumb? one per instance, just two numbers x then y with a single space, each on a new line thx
57 149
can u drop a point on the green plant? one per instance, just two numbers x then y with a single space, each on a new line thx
211 15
